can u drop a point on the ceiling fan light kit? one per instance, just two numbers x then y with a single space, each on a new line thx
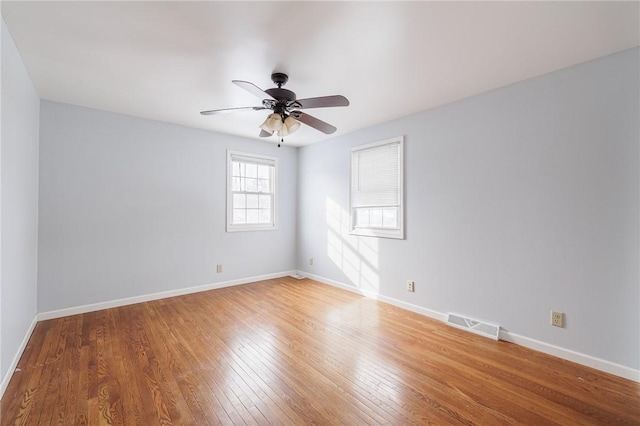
275 123
286 117
272 124
291 124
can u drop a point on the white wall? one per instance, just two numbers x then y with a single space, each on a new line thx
518 201
132 207
19 206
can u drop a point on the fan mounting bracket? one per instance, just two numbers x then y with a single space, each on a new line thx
279 79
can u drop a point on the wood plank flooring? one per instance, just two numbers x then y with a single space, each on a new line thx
295 352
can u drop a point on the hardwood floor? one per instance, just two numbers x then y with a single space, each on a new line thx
295 352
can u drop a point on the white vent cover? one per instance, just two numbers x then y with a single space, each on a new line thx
474 326
297 276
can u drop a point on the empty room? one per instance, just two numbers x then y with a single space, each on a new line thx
309 212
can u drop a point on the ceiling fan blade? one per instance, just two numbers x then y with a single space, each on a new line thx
316 123
323 102
252 88
225 110
264 134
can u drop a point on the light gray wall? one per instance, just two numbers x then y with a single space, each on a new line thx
19 203
131 207
518 201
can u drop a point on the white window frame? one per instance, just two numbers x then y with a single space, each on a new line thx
260 159
380 232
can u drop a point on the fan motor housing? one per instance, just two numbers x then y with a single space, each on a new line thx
281 94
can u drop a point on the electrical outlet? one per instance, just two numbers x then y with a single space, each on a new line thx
311 261
218 268
557 319
411 286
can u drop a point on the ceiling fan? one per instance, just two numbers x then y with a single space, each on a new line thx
286 116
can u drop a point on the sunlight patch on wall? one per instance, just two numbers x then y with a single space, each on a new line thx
357 257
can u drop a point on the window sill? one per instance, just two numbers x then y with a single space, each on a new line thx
245 228
397 234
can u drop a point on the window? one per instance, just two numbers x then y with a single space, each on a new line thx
376 189
251 192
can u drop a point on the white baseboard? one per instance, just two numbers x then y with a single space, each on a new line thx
399 303
155 296
567 354
14 363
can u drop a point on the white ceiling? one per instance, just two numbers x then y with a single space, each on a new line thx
169 60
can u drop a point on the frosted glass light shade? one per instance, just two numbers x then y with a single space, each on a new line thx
272 123
291 124
264 126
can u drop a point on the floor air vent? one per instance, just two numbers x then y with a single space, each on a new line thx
474 326
297 276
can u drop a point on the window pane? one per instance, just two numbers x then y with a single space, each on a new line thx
252 201
239 201
239 216
251 170
252 216
235 184
362 217
251 185
235 169
263 185
263 172
375 218
390 218
265 216
265 201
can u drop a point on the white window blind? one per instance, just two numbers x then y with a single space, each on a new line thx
377 189
248 159
376 175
